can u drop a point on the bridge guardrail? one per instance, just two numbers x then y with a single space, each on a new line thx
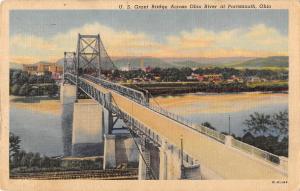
140 98
199 128
134 94
255 151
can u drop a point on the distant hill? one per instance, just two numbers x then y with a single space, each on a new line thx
135 62
273 61
210 61
235 62
191 64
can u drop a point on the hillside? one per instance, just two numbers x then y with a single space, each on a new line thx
136 62
234 62
273 61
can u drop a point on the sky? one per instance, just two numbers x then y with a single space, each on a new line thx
37 35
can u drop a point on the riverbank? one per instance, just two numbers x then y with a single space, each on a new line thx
41 104
175 88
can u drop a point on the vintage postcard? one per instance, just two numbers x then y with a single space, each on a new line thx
150 95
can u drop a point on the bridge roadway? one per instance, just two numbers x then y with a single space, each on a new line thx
226 162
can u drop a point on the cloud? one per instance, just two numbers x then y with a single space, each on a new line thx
255 41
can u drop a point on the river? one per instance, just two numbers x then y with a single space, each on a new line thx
218 108
40 127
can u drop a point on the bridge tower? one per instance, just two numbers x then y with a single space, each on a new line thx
91 58
69 63
89 126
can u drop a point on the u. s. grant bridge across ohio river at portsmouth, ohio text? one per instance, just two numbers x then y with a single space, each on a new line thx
193 6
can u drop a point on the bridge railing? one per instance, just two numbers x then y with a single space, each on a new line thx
128 92
199 128
148 134
140 98
255 151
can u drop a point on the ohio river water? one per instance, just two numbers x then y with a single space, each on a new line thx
40 131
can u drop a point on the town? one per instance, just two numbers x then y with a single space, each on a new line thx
157 80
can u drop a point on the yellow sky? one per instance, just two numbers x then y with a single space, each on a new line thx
255 41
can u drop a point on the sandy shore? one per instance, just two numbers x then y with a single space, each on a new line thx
218 103
36 104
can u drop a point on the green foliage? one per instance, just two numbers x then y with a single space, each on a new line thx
20 158
258 123
172 75
15 89
270 132
280 122
14 145
23 91
24 84
208 125
262 124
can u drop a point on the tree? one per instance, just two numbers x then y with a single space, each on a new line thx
186 71
14 145
14 148
23 91
15 89
22 78
29 159
258 124
275 124
48 77
116 74
32 79
208 125
280 123
45 162
21 158
36 160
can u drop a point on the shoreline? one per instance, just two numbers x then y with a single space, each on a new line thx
221 93
40 104
175 88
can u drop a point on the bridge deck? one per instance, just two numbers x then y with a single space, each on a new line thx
227 162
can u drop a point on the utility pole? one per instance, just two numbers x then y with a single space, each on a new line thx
182 166
229 133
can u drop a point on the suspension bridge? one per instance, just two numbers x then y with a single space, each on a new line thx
168 146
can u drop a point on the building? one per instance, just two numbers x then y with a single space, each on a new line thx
213 77
253 79
194 76
41 68
234 78
148 69
31 69
128 68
